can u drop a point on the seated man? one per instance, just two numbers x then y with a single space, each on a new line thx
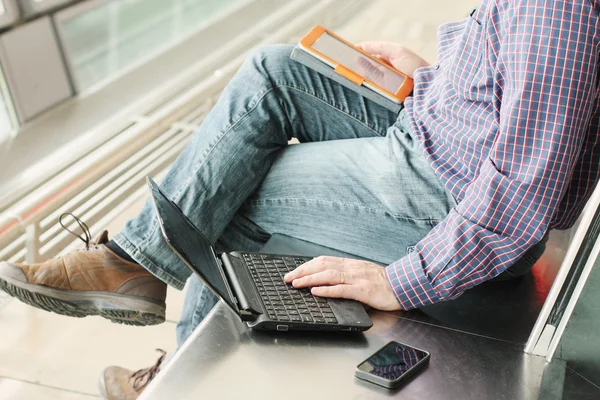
497 145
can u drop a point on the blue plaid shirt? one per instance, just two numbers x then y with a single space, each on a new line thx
509 120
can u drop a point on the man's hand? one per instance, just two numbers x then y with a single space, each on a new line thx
401 58
346 278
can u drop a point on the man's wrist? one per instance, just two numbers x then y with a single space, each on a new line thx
409 283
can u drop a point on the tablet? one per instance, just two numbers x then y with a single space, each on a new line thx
357 65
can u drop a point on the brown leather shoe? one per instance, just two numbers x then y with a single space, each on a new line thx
91 281
118 383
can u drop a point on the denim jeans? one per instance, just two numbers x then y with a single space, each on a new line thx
357 182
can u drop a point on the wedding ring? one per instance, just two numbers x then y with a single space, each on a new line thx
342 278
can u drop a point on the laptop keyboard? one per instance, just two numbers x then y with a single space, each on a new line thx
282 301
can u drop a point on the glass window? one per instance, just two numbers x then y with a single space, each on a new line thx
115 35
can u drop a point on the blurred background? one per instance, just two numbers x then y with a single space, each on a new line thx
97 94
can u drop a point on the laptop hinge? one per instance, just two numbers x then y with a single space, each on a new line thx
247 316
247 312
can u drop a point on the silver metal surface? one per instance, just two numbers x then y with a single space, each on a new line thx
580 343
573 300
34 68
10 13
472 356
225 360
538 342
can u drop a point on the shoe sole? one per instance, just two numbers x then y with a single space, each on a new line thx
120 309
102 388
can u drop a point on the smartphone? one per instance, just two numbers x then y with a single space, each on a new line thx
357 65
393 364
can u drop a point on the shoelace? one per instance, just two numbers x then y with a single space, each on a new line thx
143 377
87 238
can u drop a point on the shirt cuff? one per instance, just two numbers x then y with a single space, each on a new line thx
409 283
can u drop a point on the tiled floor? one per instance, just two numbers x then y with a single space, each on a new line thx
47 356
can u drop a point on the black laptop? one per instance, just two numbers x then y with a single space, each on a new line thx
251 284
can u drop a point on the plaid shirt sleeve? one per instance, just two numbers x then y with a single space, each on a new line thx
544 78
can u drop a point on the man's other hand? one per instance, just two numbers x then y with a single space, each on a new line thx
346 278
398 56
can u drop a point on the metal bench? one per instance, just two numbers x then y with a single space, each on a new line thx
476 344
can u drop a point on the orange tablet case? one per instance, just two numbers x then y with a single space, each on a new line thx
307 41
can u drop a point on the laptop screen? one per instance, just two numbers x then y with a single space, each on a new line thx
190 244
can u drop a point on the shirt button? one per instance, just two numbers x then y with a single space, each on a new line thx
436 66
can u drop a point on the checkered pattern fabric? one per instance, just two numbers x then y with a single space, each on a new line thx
509 120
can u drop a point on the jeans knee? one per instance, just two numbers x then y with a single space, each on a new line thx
272 60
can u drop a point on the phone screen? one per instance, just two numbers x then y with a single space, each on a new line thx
393 361
354 60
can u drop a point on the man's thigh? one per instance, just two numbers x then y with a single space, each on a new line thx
372 197
314 108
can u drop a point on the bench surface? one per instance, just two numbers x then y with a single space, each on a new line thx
476 345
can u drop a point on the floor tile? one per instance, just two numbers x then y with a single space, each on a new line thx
17 390
70 353
4 299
